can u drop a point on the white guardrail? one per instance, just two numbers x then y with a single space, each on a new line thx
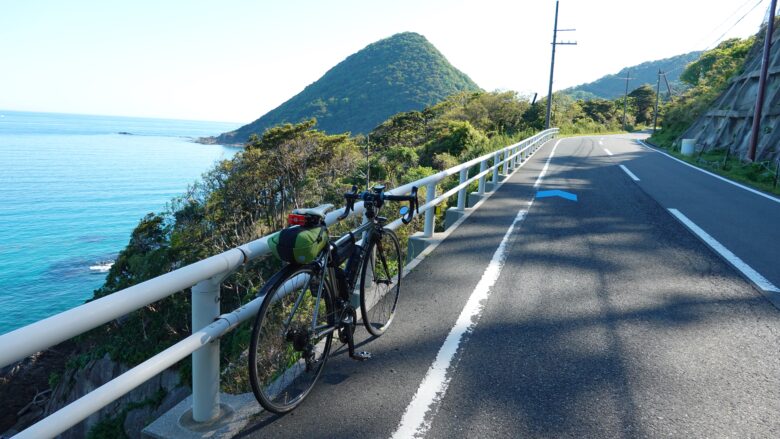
208 325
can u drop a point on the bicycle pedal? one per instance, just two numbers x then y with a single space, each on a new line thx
361 356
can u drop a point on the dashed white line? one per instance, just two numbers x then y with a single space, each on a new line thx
630 174
419 414
754 276
749 189
546 165
607 151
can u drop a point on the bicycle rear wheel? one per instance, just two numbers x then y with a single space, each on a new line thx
287 352
380 282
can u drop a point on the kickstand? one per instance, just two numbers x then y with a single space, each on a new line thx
361 355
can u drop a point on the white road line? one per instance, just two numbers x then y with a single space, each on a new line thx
733 259
749 189
630 174
546 165
601 143
415 423
607 151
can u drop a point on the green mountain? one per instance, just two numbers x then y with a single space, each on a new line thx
613 86
401 73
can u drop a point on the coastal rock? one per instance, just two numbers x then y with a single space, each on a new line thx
94 374
137 419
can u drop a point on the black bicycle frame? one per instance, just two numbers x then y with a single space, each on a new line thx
328 274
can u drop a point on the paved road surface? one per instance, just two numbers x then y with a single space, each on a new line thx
608 319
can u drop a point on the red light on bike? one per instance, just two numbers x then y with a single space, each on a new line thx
294 219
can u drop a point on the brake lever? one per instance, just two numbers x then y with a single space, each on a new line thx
416 200
350 206
413 207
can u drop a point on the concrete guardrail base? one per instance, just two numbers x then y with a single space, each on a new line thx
417 243
489 184
451 215
474 198
236 411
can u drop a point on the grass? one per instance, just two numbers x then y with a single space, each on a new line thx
759 175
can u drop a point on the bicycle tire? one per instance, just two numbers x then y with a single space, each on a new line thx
279 372
379 292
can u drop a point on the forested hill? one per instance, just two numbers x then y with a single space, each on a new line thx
402 73
613 86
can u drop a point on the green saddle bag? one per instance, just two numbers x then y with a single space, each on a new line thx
298 245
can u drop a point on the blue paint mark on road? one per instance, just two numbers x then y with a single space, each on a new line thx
557 193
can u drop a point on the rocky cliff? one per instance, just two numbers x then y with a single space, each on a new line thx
727 124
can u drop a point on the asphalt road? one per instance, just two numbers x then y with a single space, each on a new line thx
608 319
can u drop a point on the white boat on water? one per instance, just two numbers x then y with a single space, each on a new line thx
102 266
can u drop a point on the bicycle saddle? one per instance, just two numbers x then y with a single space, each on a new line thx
319 211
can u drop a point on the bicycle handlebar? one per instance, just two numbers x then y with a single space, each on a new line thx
414 204
378 197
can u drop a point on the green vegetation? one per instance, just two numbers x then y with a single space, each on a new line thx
707 78
614 86
401 73
761 175
113 428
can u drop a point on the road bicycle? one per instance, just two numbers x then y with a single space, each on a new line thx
305 305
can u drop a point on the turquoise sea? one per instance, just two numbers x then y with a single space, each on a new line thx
72 188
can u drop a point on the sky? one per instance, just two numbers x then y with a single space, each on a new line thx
236 60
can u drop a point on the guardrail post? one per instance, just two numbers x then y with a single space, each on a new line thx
481 187
506 162
464 175
495 169
430 214
205 361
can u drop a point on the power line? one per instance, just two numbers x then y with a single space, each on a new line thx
717 40
706 36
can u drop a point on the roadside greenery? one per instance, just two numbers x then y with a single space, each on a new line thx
761 175
707 78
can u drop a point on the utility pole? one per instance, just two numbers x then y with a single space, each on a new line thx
368 161
625 99
657 95
552 63
770 27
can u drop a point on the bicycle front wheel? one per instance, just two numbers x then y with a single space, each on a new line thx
290 346
380 282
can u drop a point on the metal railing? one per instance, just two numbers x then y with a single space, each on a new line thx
205 278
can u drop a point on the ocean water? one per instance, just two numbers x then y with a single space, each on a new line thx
72 188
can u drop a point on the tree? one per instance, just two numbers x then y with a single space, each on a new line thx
643 103
600 111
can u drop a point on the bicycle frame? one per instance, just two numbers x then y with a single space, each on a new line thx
327 274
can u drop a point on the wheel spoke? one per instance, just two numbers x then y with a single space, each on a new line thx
286 354
379 291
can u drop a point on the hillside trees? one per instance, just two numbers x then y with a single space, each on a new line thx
708 77
237 201
643 104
